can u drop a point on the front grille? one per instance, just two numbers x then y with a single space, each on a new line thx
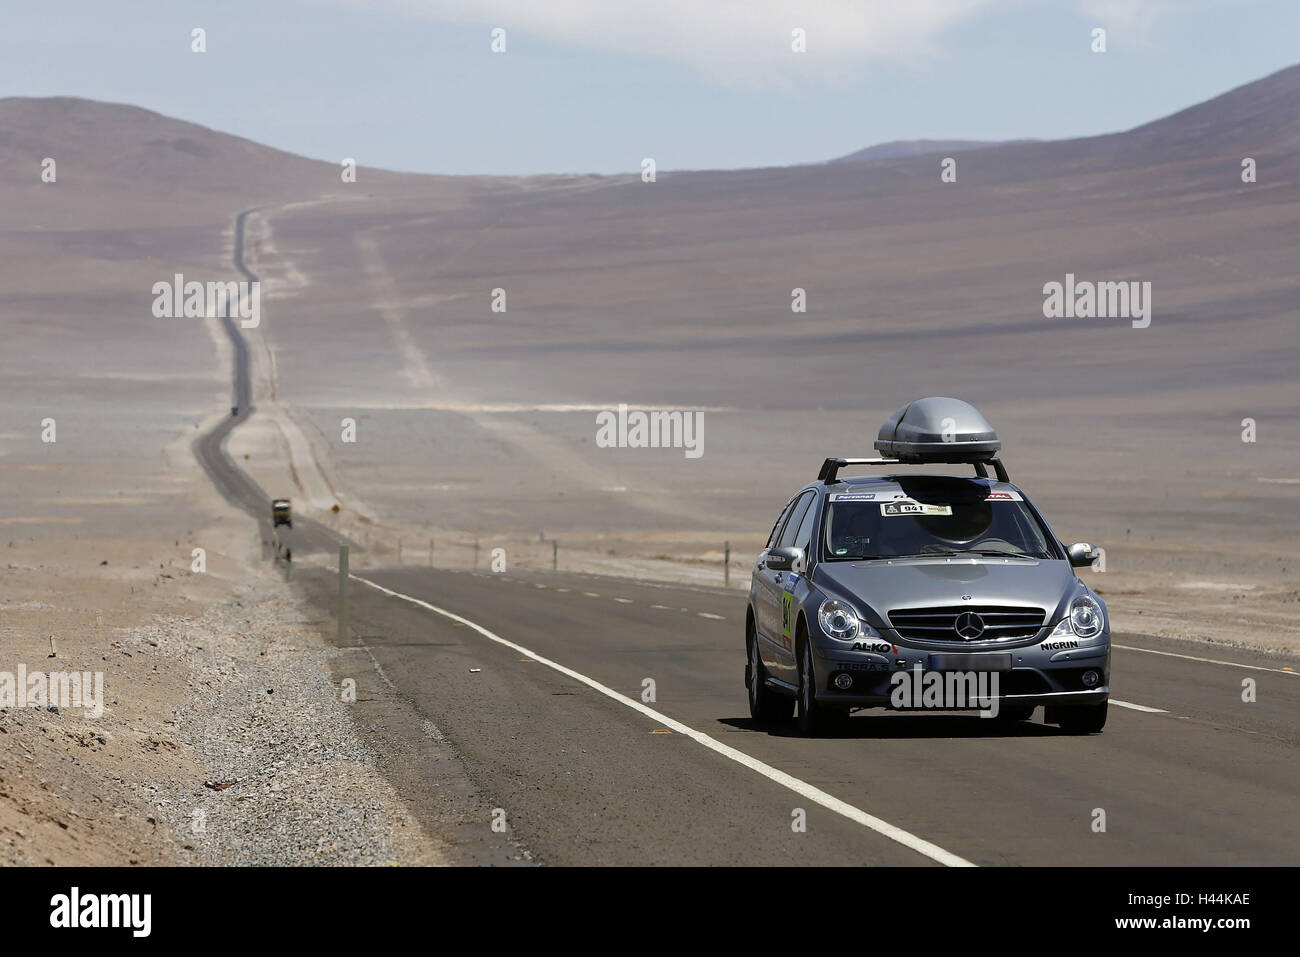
1001 622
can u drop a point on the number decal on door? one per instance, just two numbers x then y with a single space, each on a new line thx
787 608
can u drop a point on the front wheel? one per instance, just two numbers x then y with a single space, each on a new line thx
765 705
1083 720
814 719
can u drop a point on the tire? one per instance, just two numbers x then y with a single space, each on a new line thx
1016 712
765 705
1083 720
813 719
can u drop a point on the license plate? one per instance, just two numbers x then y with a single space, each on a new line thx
971 662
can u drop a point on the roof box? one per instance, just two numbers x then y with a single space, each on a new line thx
938 429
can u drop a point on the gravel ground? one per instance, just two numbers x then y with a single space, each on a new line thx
291 782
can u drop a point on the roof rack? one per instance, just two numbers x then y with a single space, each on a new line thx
831 467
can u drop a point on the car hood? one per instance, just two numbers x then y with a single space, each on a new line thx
877 587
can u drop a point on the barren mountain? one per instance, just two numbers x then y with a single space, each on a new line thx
678 294
897 148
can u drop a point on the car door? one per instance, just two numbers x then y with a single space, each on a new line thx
793 585
761 586
776 617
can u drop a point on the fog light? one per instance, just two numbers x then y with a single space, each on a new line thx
843 682
1090 678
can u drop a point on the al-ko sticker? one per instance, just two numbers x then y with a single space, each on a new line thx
914 508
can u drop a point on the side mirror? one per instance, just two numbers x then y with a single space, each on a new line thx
785 559
1081 554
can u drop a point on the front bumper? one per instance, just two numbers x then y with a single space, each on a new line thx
1037 676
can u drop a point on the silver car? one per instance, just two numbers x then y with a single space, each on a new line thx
871 585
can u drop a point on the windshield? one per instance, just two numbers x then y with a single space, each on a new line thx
858 529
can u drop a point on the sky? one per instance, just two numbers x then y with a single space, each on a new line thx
597 85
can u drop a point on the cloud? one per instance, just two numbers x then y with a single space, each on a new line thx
1126 21
734 42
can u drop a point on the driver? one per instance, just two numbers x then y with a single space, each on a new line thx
856 529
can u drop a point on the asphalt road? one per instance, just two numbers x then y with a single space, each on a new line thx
235 485
584 779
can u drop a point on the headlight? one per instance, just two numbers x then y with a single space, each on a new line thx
1086 618
839 620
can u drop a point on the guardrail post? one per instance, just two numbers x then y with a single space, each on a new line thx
476 554
726 564
431 553
343 593
555 555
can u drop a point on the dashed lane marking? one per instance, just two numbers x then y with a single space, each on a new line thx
1138 707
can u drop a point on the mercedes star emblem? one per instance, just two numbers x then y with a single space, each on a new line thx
968 625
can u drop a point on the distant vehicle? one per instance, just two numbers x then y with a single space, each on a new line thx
234 410
281 514
864 578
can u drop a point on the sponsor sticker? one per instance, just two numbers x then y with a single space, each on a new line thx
853 497
787 605
880 647
1003 497
914 508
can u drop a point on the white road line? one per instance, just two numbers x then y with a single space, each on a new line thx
1138 707
592 594
664 607
705 614
802 788
1208 661
378 668
624 601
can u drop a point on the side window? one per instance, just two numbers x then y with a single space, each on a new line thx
776 529
803 538
796 518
